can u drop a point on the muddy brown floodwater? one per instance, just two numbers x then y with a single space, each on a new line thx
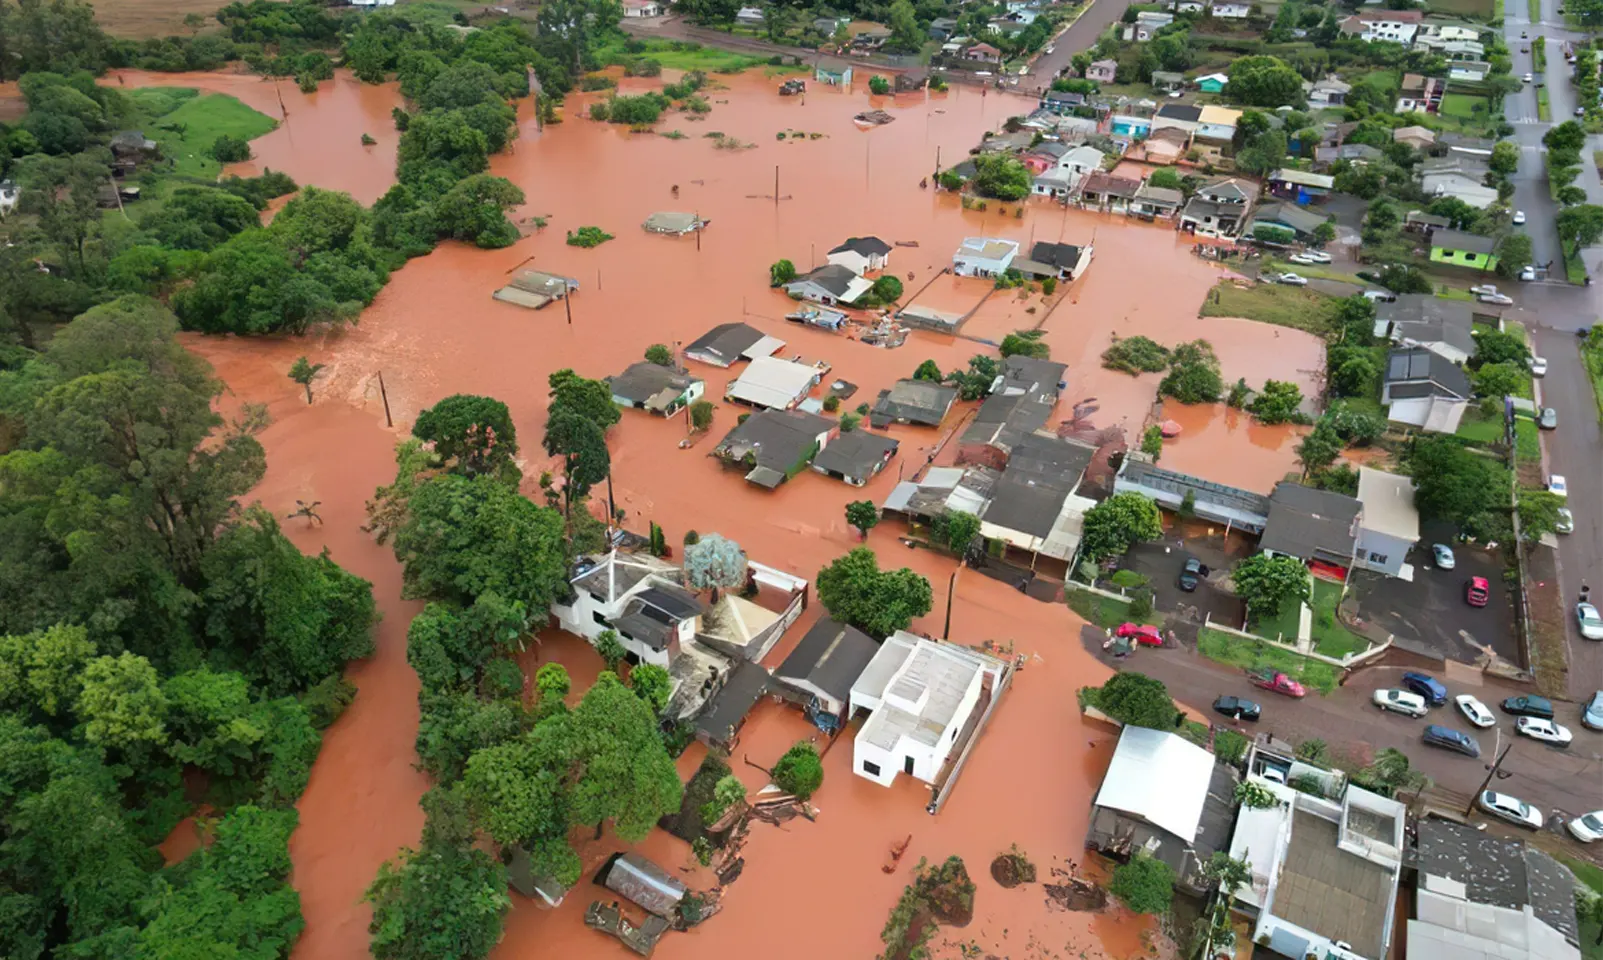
809 889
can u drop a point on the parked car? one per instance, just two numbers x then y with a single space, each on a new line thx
1443 555
1527 273
1449 739
1538 366
1496 299
1519 217
1192 574
1237 708
1565 522
1556 484
1300 258
1580 111
1544 730
1474 711
1592 712
1401 701
1292 279
1548 419
1477 592
1277 682
1380 296
1587 827
1142 633
1512 809
1483 288
1428 687
1315 256
1527 78
1587 619
1529 705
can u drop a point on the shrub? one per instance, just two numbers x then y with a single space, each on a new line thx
1255 796
878 85
799 771
588 237
230 149
1135 355
1145 884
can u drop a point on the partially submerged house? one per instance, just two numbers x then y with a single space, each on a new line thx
925 699
820 672
1388 525
855 457
921 402
1318 527
640 597
674 224
655 388
829 284
1064 261
1156 202
1022 404
729 343
535 288
775 445
1425 390
1163 795
984 257
774 383
1444 327
861 254
1104 191
1034 506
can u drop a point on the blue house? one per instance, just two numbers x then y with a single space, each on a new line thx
1136 128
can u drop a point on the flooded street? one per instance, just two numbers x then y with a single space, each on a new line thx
435 331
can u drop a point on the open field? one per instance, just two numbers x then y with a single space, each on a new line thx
151 18
1284 306
186 123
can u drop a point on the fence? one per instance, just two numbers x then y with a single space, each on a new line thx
1346 663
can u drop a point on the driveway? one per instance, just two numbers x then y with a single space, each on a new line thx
1428 616
1161 561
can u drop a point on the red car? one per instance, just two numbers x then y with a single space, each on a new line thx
1478 592
1277 682
1141 633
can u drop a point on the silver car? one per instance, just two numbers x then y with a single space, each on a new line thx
1565 522
1592 713
1512 809
1443 555
1587 619
1549 420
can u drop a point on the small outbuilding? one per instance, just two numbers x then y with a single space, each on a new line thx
821 670
855 457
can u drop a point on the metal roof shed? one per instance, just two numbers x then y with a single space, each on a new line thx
1161 778
643 882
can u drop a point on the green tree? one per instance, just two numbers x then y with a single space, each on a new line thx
652 684
1026 343
1264 82
1277 402
209 719
660 355
878 85
975 382
1505 158
1166 177
726 793
1145 884
1114 524
1319 448
863 515
1497 380
1513 254
928 371
230 149
302 372
590 399
610 649
701 415
121 705
583 449
781 272
475 209
1391 773
906 37
1538 512
1580 226
715 562
1193 375
1453 484
1568 136
1138 700
886 289
799 772
854 590
1000 177
473 434
956 529
1267 583
43 670
1152 442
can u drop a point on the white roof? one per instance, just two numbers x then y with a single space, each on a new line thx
772 382
1221 77
766 347
1388 501
928 676
1450 927
1083 156
1304 178
1160 777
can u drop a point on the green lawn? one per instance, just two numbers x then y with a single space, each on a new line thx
1330 637
1384 82
1462 106
1527 446
1096 609
1312 271
1230 649
1593 358
1574 266
1544 112
681 55
1445 292
186 123
1479 428
1283 306
1534 8
1282 626
1591 875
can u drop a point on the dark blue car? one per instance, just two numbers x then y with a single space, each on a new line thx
1426 686
1449 739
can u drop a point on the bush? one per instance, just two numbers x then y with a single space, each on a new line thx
799 772
1145 884
230 149
1134 355
588 237
878 85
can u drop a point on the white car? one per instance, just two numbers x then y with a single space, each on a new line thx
1475 711
1401 701
1557 485
1527 273
1544 730
1315 256
1519 217
1380 296
1483 288
1587 827
1512 809
1292 279
1538 366
1527 78
1496 299
1591 625
1051 47
1300 258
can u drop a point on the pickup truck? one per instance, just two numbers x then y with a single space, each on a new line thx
1277 682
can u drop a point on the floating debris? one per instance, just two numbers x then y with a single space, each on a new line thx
873 118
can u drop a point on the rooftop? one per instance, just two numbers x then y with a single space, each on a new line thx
916 401
1429 319
1098 183
1041 473
1499 872
1416 364
1388 500
1459 240
867 246
729 342
909 670
1160 777
1184 112
746 685
1328 891
830 657
987 248
1305 522
772 382
651 384
839 281
616 574
1213 500
854 455
776 439
1304 179
1022 404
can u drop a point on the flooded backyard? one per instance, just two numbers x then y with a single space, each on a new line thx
435 331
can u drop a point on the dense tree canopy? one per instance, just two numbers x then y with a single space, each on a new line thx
879 602
1117 522
472 434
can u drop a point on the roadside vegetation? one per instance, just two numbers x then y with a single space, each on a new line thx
1235 651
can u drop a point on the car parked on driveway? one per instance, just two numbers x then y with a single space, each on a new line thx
1428 687
1592 712
1587 619
1512 809
1544 730
1443 555
1237 708
1192 574
1477 592
1277 682
1587 827
1449 739
1529 706
1292 279
1401 701
1142 633
1474 711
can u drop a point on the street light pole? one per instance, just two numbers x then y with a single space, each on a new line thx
1490 773
951 591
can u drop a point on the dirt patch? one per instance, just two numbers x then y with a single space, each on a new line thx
151 18
1073 892
1012 868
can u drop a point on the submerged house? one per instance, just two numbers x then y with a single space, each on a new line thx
855 457
1022 404
774 383
921 402
820 672
729 343
674 224
640 598
775 445
861 254
984 257
654 388
829 284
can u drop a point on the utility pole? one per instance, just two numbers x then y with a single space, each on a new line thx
776 186
951 591
386 397
937 166
567 302
697 215
1490 773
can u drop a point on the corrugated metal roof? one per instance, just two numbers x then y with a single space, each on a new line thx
1161 777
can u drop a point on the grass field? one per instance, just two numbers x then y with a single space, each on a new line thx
1472 8
1534 10
186 124
1527 441
1282 626
1544 110
676 55
151 18
1461 106
1591 875
1330 637
1593 358
1230 649
1479 428
1296 307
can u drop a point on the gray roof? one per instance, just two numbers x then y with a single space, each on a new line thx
1184 112
832 277
867 246
1329 891
1041 473
725 343
830 657
1214 500
1300 219
746 685
916 401
1426 219
1309 523
644 380
1427 319
1020 406
1229 188
1064 256
855 455
1161 195
777 439
1500 872
1436 373
1459 240
672 600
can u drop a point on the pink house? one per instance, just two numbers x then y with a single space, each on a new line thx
983 51
1102 71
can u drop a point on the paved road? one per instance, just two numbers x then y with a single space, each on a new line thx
1567 780
1081 35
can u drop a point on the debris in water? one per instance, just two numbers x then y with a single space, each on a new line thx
897 849
873 118
1012 868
